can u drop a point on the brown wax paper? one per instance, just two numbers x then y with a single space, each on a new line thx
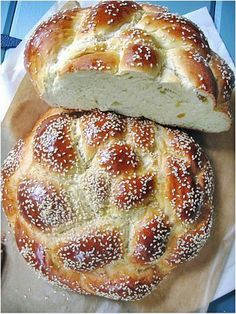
189 288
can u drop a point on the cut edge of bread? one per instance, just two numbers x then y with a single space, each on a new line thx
134 94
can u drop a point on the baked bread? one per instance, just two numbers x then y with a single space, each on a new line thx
134 59
105 204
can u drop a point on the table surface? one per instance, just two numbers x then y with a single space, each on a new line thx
18 17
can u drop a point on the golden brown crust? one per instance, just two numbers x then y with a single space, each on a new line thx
47 41
43 205
134 191
118 159
142 132
96 249
154 8
189 243
141 58
151 237
177 30
99 61
225 78
194 68
55 150
128 287
137 201
9 167
109 16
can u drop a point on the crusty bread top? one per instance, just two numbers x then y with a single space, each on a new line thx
106 204
121 36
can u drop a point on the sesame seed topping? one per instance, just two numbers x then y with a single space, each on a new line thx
98 166
13 159
143 134
92 250
42 205
83 210
118 159
109 13
52 144
97 188
127 288
98 127
152 239
186 195
133 191
190 243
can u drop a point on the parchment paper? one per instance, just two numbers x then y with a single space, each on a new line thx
189 288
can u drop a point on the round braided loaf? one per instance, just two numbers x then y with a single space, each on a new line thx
105 204
135 59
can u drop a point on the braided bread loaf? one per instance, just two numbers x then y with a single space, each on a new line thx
105 204
134 59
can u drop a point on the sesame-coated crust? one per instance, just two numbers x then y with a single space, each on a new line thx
105 204
121 36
